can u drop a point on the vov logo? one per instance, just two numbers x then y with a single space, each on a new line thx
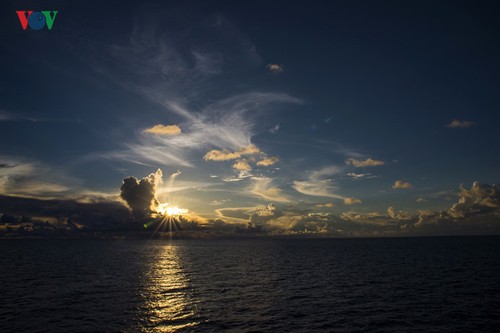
37 20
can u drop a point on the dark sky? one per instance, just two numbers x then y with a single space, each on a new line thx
357 109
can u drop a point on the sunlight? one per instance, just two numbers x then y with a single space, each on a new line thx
165 209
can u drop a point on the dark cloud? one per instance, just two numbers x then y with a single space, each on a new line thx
93 216
140 195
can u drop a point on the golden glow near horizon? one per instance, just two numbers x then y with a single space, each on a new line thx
166 209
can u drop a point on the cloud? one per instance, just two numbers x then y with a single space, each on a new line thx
268 161
319 183
219 202
242 165
96 215
23 177
243 174
226 124
262 216
460 124
140 195
166 130
326 205
351 201
225 155
481 199
275 68
316 188
399 184
357 176
173 73
370 218
262 188
400 215
275 129
477 211
366 163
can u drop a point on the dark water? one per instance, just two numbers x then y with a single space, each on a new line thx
371 285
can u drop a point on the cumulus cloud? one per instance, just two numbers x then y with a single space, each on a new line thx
242 165
399 184
398 215
166 130
351 201
479 200
268 161
477 210
140 195
460 124
275 68
369 162
225 155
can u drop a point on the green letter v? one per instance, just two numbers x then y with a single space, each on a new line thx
48 19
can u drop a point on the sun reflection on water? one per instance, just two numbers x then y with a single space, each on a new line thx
169 307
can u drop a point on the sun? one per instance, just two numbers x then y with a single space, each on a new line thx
166 209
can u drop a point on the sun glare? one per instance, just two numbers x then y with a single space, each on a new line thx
165 209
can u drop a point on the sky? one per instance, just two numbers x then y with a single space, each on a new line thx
346 117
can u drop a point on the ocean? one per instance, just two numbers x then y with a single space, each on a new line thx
434 284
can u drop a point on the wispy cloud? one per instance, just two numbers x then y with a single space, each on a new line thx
219 202
326 205
243 174
19 176
262 188
319 183
228 124
460 124
275 129
369 162
354 175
